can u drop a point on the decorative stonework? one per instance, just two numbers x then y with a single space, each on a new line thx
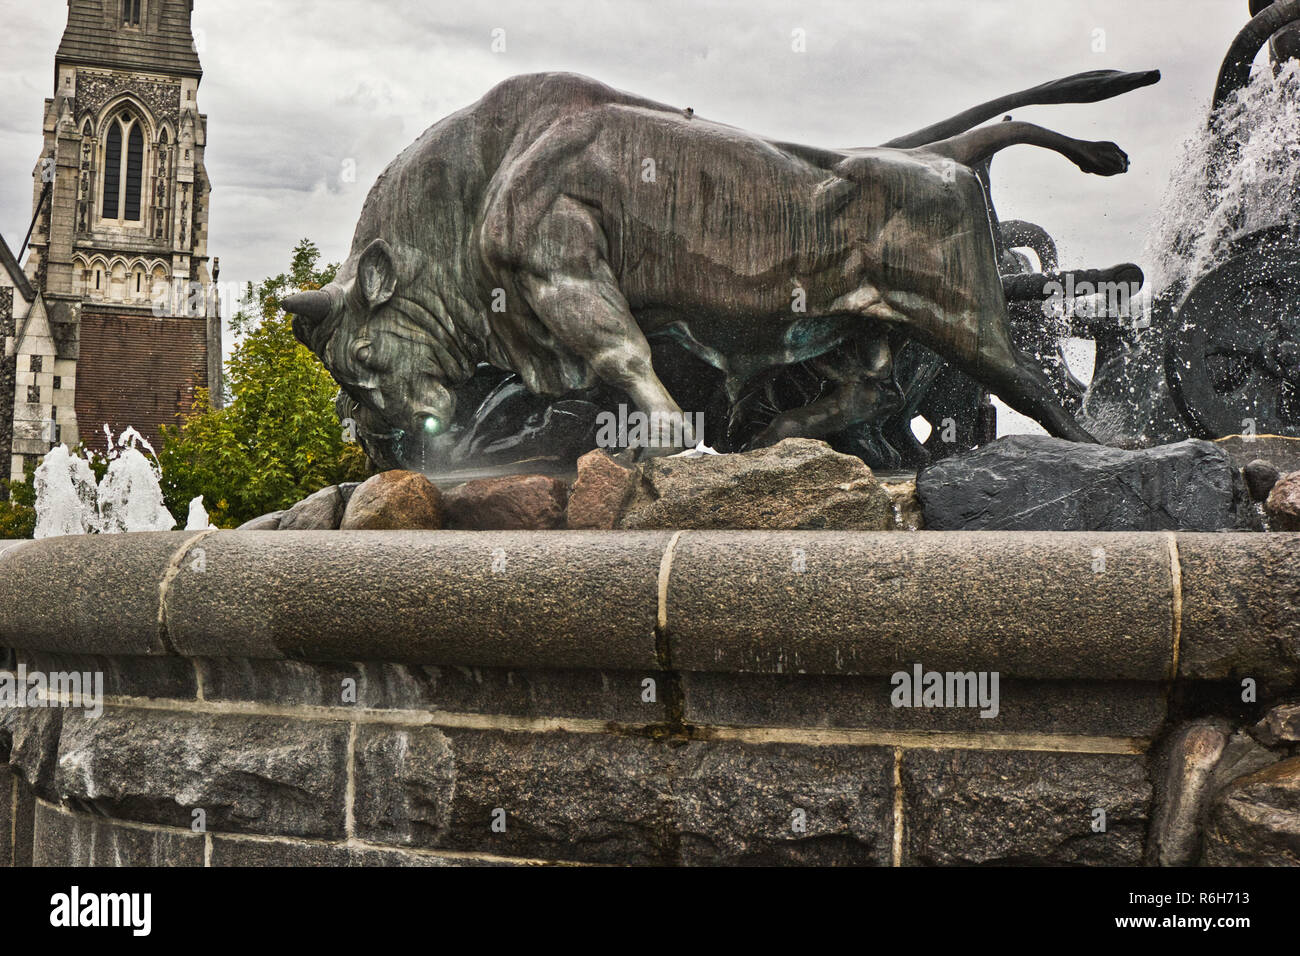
94 89
8 369
363 728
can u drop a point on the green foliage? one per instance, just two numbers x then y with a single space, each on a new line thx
278 438
18 505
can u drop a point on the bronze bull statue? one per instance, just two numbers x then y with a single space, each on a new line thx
550 227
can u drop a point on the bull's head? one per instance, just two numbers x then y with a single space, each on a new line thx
386 349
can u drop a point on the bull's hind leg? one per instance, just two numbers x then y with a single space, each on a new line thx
1024 387
1003 369
570 286
977 145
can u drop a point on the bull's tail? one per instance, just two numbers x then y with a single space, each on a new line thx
1089 87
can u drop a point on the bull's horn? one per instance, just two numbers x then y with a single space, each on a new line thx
314 306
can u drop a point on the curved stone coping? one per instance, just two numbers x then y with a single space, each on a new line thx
1128 606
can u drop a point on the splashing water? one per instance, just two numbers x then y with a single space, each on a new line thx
1239 173
65 495
198 516
128 498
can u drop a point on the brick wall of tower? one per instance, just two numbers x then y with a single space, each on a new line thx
137 371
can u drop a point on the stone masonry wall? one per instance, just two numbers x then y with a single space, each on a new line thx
449 698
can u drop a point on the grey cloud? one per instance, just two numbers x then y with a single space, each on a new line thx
293 89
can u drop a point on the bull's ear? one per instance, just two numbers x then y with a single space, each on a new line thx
377 273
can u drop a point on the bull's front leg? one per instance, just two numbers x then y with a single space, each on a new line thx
571 288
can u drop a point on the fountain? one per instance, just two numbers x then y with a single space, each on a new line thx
1217 352
737 647
128 498
66 495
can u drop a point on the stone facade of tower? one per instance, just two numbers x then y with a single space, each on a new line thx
119 253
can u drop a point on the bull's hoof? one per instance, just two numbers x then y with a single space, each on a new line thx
1101 159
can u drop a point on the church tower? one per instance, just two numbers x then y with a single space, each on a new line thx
130 325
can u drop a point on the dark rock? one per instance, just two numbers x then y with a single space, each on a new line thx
345 490
1280 725
1282 451
24 823
243 852
268 522
247 774
33 752
321 511
587 797
1260 477
405 783
1182 793
509 503
124 676
7 785
1283 503
783 805
1100 708
978 807
582 693
796 484
67 838
1037 483
1255 820
1242 755
599 492
392 501
630 799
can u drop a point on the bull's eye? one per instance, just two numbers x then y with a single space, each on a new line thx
432 424
362 352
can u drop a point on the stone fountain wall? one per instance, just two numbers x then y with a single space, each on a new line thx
450 698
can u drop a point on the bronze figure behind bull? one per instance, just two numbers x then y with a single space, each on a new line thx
549 228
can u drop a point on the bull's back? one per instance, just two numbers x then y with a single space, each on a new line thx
698 217
701 211
705 217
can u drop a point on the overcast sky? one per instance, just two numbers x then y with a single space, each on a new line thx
300 92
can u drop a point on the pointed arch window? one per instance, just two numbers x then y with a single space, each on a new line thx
123 169
112 170
134 173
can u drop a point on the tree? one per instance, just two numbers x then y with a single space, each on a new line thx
18 505
278 438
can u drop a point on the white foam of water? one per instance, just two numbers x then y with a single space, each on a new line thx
1239 173
65 495
699 451
129 498
198 516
